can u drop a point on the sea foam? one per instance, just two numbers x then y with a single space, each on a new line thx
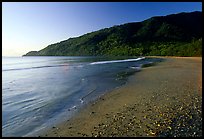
115 61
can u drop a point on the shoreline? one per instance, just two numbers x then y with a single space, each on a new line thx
149 104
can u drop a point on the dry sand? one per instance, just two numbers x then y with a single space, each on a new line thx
162 100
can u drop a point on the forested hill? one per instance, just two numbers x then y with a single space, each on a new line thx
174 35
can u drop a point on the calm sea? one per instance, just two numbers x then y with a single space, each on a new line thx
38 92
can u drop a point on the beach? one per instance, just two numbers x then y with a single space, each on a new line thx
160 100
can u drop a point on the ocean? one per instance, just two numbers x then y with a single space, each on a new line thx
38 92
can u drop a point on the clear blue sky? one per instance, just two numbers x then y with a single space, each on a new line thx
28 26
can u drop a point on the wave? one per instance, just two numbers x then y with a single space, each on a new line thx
116 61
35 67
73 107
137 68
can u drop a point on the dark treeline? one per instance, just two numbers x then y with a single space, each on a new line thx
171 35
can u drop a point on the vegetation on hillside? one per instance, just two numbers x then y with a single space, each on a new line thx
171 35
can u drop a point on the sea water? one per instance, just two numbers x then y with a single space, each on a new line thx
38 92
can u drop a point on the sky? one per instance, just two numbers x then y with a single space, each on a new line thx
31 26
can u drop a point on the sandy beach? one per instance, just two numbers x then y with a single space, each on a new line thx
161 100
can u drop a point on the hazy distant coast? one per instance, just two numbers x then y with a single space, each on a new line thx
162 100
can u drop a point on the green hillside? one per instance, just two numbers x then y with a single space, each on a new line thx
172 35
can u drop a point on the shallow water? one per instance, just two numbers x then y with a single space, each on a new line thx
37 92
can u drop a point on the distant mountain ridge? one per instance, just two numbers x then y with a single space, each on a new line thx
176 34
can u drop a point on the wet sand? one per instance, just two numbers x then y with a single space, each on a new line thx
162 100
